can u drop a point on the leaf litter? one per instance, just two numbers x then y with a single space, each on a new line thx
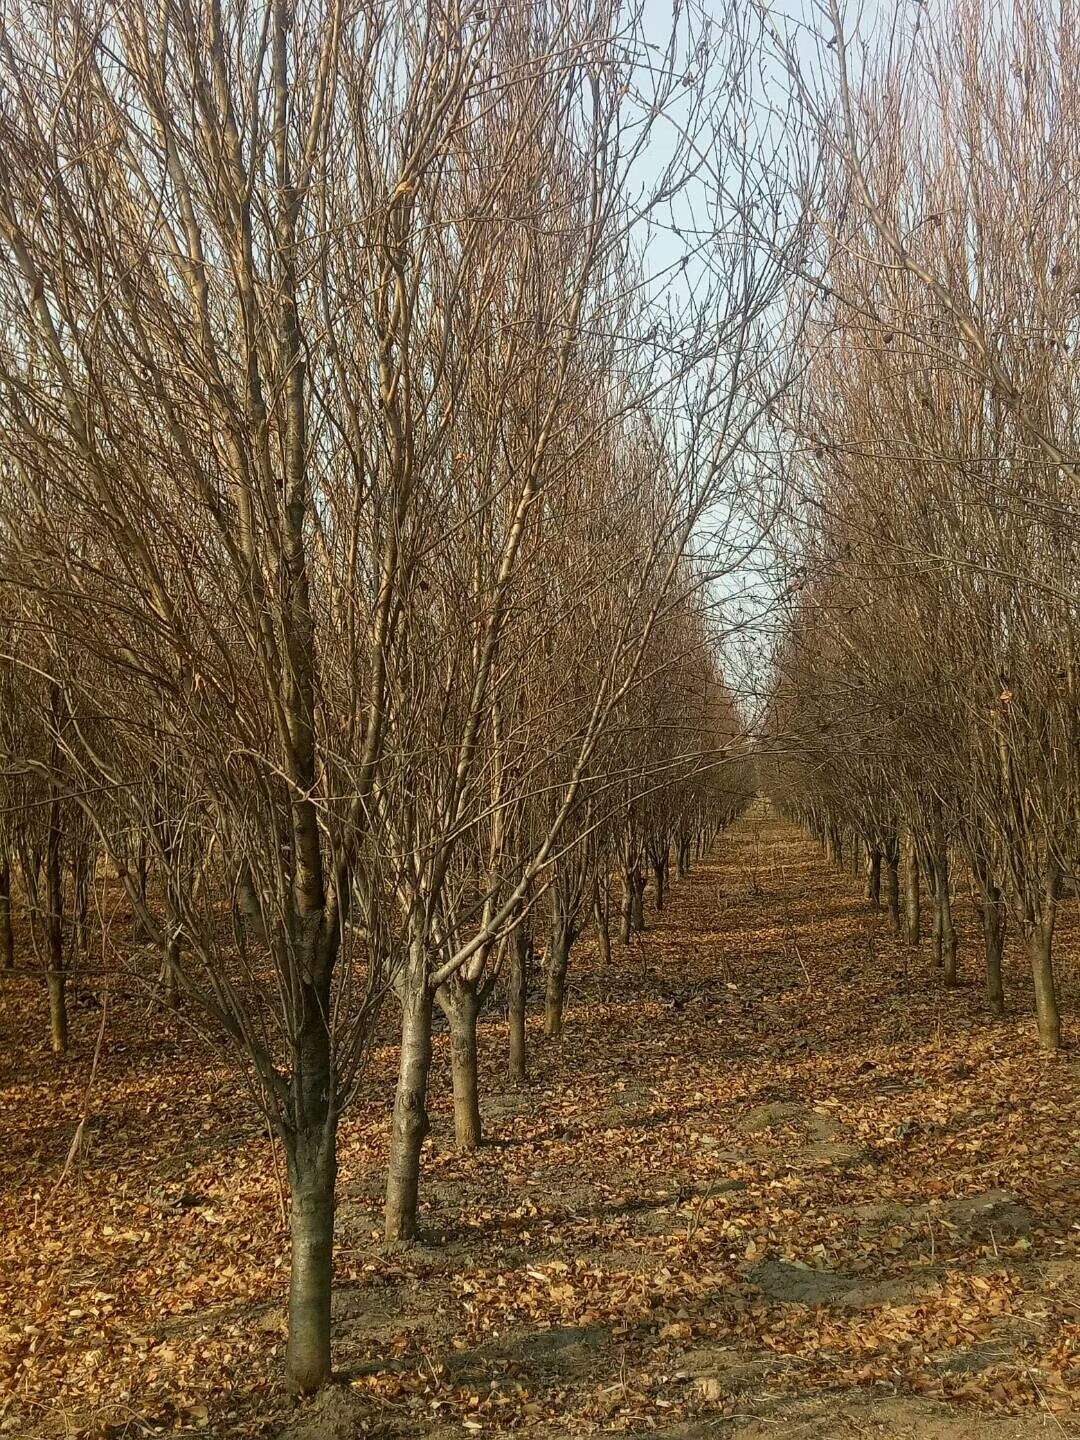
773 1175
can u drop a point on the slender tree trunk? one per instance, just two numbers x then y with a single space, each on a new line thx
682 862
626 908
171 971
461 1006
410 1123
562 937
993 915
892 885
7 929
312 1167
54 929
600 920
1040 952
519 989
912 888
873 876
993 921
944 932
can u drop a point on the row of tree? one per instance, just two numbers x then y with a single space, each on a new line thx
373 459
926 699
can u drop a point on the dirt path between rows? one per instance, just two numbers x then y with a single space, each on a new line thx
773 1181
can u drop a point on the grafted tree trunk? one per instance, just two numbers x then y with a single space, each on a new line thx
410 1122
912 898
461 1005
519 989
7 928
873 876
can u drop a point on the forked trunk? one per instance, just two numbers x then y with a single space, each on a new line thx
7 929
912 898
410 1123
519 989
461 1005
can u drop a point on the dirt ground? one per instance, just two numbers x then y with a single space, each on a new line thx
774 1180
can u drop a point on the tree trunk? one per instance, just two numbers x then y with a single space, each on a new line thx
626 908
54 948
993 921
7 930
892 886
912 896
873 876
600 920
944 933
660 873
312 1166
562 937
1040 952
410 1124
519 989
993 916
682 860
637 900
461 1006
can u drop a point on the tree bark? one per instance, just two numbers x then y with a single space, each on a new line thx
312 1166
912 898
7 929
519 989
410 1123
461 1004
682 860
873 876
